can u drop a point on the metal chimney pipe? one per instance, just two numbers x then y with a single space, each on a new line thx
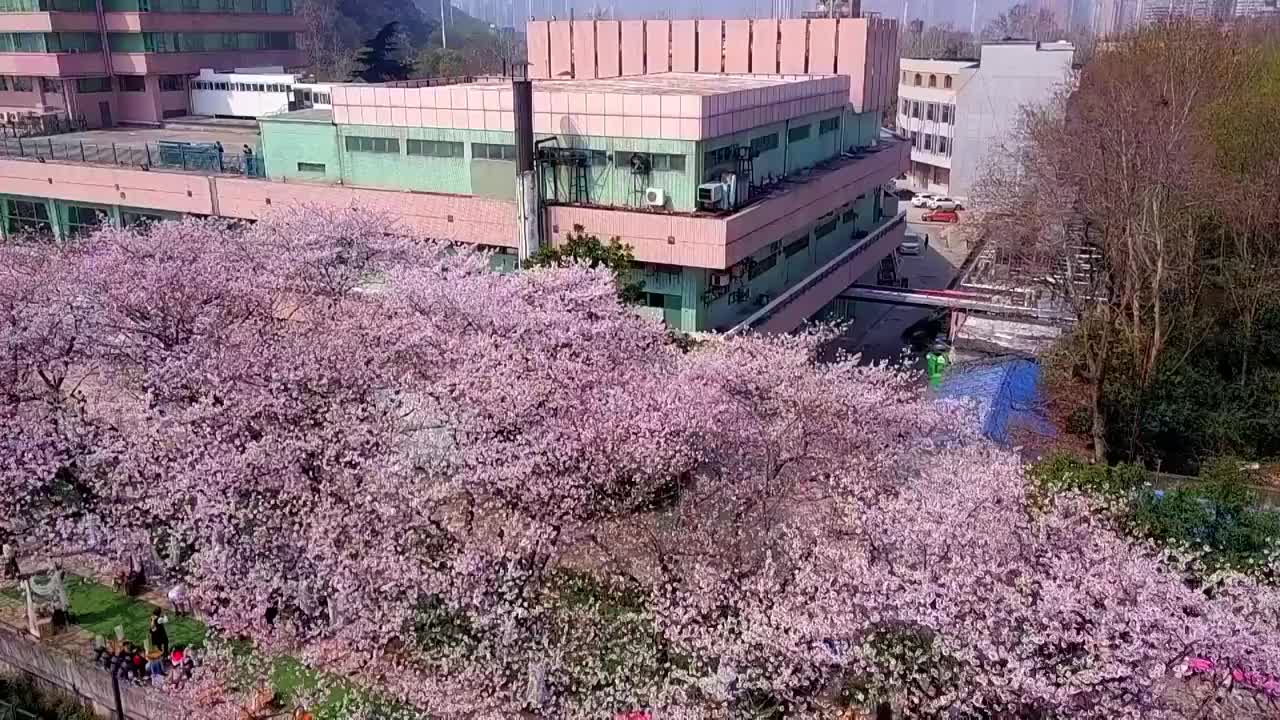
528 203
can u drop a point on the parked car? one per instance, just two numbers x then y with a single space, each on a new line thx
941 216
913 244
921 200
942 202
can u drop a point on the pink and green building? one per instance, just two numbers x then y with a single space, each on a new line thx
632 150
127 61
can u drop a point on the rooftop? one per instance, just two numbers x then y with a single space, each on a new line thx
678 106
231 137
309 115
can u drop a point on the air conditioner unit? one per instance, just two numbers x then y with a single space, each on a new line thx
655 197
711 194
719 279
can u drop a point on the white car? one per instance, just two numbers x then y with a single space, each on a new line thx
913 244
942 202
921 200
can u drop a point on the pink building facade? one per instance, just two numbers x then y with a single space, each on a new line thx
131 66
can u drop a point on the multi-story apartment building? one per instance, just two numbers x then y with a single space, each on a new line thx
961 115
1256 8
127 61
747 178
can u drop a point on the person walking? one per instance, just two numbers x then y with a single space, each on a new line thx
159 636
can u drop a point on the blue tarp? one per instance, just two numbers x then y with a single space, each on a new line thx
1006 392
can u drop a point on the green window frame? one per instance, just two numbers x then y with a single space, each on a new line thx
826 228
829 125
83 220
27 216
491 151
796 134
132 83
311 167
849 216
378 145
433 148
762 267
764 144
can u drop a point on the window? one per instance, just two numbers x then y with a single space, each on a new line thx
51 86
721 156
27 216
929 111
826 228
229 40
915 109
23 84
93 85
942 145
796 134
906 106
913 138
190 4
356 143
849 216
904 77
933 81
132 83
260 6
433 148
83 220
667 163
307 167
764 144
226 5
4 83
797 247
829 125
131 218
762 267
946 82
928 142
171 83
946 114
487 151
917 82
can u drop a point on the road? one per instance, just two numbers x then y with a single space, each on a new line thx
876 332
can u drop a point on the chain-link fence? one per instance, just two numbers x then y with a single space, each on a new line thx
163 155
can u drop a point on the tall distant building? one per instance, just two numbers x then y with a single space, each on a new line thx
1256 8
1112 17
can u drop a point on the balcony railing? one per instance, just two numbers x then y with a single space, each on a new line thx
161 156
795 291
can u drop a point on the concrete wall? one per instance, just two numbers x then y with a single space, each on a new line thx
20 653
865 49
989 104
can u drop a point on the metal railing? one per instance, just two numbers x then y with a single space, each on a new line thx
790 294
10 711
166 156
40 126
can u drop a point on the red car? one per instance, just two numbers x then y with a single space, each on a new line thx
941 216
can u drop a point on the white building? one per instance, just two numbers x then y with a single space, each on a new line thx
962 114
253 95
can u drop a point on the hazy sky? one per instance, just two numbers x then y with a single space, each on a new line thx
933 11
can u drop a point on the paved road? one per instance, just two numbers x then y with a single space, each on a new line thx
876 332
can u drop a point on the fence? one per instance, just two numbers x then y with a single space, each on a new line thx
167 155
40 126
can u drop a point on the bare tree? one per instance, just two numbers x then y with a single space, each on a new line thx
1024 22
1103 196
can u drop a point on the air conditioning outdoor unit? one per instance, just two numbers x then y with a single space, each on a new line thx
655 197
711 194
719 279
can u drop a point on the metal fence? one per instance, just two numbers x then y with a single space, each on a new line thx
11 711
163 155
39 126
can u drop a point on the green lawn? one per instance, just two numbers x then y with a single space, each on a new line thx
99 609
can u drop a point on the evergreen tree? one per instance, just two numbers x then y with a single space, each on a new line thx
381 59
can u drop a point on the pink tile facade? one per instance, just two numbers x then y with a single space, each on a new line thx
673 106
864 49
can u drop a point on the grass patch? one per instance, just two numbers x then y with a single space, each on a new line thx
99 609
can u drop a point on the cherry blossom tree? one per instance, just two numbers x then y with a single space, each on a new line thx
476 494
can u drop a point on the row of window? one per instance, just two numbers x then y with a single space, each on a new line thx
163 42
936 112
52 42
32 217
659 162
917 80
802 244
17 83
829 125
240 87
137 83
928 142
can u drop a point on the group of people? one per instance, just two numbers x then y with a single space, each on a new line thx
134 664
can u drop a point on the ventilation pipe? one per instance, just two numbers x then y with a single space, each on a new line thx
528 204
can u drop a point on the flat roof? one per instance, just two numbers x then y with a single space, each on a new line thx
310 115
232 138
701 84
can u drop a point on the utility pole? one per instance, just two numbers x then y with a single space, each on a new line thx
444 37
973 19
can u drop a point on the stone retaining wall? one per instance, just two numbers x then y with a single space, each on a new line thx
20 653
